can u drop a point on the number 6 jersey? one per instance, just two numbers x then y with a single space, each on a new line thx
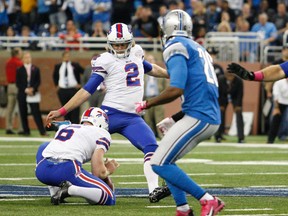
77 142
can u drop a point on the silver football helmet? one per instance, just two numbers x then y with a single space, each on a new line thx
96 116
119 33
176 23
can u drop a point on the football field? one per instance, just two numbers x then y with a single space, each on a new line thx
251 178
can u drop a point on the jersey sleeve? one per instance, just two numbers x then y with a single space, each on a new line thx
284 67
98 65
178 75
175 49
147 66
104 142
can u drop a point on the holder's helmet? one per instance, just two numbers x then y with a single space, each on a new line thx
96 116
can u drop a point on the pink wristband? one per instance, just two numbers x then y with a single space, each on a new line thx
62 111
259 76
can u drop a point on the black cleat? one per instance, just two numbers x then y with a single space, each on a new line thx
159 193
61 194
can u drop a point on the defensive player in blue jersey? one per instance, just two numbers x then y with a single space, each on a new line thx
192 78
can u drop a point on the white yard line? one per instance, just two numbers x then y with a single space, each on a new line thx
203 144
133 161
20 199
249 209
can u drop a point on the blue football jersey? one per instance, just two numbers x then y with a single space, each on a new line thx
190 68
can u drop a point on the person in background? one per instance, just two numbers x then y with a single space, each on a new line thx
280 98
152 88
101 13
192 78
66 77
28 80
231 91
4 22
145 25
59 162
267 28
11 67
269 93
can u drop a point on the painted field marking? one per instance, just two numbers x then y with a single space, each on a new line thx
16 179
116 141
260 214
135 161
249 209
132 183
20 199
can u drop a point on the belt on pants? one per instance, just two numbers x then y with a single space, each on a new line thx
54 160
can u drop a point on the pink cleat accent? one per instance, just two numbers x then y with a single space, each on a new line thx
211 207
187 213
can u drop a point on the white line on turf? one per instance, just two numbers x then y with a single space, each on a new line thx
251 145
260 215
136 161
20 199
249 209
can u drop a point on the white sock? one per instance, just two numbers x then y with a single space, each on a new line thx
183 208
53 190
207 196
91 194
151 177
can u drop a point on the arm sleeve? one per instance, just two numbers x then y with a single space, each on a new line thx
93 82
178 75
147 66
284 67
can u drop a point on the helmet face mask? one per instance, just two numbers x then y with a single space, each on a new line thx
176 23
119 34
96 116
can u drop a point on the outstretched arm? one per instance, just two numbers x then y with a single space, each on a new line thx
154 70
273 73
270 73
158 71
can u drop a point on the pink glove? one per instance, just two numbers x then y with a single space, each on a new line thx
140 107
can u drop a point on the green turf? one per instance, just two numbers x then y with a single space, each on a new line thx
225 176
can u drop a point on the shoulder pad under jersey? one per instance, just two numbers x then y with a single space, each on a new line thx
173 49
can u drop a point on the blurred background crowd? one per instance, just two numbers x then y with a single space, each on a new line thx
80 18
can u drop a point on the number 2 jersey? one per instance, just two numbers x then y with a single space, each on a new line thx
77 142
123 78
190 68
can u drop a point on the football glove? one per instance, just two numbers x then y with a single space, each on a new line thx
54 125
240 71
165 125
140 107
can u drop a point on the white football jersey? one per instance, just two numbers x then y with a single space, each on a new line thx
77 142
123 78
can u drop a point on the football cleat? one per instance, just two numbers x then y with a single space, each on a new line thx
61 194
159 193
187 213
211 207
